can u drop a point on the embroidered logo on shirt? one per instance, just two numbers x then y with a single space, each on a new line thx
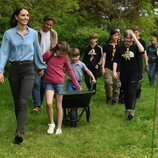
91 53
128 55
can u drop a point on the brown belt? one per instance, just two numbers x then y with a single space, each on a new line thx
26 62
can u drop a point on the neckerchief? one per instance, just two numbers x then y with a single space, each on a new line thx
127 53
113 50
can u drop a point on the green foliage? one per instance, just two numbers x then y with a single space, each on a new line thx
76 30
79 36
76 19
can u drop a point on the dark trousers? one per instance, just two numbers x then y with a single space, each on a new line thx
21 79
139 89
129 89
95 72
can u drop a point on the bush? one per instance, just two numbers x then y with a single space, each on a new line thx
79 37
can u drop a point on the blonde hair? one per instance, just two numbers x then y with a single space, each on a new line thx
93 36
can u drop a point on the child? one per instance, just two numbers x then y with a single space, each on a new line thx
111 85
57 61
78 67
130 72
92 58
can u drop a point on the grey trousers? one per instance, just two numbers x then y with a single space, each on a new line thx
21 79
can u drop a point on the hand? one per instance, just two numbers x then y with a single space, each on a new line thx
1 78
96 66
115 75
94 81
103 71
40 72
79 89
130 33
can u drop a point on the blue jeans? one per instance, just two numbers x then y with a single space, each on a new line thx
152 73
38 91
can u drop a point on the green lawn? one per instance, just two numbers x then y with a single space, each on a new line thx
108 135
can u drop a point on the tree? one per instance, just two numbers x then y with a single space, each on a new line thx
79 17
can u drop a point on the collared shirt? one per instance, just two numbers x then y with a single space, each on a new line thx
15 47
78 69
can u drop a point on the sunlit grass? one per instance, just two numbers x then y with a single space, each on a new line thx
108 135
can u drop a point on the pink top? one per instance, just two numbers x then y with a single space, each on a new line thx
55 69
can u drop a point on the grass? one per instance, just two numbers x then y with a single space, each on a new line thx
108 135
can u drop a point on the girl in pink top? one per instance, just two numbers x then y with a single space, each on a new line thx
57 62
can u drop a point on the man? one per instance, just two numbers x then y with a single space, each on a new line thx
48 39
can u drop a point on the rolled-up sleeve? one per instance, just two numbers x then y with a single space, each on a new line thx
4 51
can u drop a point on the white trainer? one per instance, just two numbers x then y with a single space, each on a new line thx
51 128
58 131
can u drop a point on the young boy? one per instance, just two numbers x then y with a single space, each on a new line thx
78 68
92 56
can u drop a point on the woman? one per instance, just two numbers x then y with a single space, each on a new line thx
152 52
130 70
20 47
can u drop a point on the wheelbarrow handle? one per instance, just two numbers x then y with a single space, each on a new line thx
92 86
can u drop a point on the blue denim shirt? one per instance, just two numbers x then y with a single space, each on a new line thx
151 51
15 47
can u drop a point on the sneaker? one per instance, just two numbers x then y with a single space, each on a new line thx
51 128
131 114
35 109
58 131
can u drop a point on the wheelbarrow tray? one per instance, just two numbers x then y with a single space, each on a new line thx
79 99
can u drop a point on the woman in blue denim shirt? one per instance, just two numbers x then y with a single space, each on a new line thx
20 47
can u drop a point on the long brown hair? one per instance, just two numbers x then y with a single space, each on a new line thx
63 46
13 21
